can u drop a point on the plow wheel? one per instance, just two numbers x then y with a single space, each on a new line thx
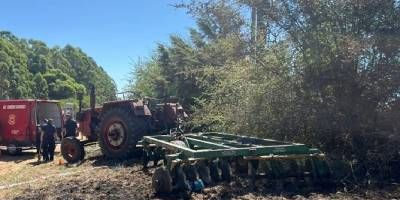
162 181
214 171
323 172
180 181
320 174
309 174
191 173
204 173
241 166
72 150
226 171
294 175
119 132
192 176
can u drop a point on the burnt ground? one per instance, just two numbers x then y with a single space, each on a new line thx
21 178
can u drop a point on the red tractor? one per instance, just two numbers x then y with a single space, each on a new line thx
117 126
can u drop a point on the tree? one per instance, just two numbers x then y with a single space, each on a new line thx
21 60
61 85
4 82
42 90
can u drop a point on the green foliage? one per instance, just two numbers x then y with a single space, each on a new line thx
149 82
326 73
87 72
41 88
13 62
30 69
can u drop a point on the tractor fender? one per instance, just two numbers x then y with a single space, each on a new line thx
141 109
138 106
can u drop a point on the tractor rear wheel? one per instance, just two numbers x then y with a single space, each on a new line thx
119 132
72 150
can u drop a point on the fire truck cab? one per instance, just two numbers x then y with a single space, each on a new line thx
20 121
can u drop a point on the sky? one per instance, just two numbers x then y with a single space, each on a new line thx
116 33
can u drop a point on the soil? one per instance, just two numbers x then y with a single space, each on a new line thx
98 178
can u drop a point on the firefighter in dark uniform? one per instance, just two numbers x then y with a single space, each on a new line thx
48 141
70 127
39 133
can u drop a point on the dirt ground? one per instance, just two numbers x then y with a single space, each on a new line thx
23 178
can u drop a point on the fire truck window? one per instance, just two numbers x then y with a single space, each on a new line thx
49 111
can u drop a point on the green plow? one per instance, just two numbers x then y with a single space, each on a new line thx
194 161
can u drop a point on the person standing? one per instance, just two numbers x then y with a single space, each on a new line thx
70 127
48 141
39 133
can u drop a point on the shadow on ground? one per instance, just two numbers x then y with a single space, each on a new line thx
23 156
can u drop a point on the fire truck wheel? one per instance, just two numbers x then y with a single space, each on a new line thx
119 131
72 150
13 150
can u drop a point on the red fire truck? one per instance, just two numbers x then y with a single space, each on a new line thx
19 121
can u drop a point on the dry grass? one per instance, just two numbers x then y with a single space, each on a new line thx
18 172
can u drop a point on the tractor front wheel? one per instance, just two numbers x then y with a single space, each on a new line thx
72 150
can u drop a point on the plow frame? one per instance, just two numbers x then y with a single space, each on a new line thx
279 161
212 145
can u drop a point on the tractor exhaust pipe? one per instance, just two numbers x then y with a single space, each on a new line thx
80 98
92 97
